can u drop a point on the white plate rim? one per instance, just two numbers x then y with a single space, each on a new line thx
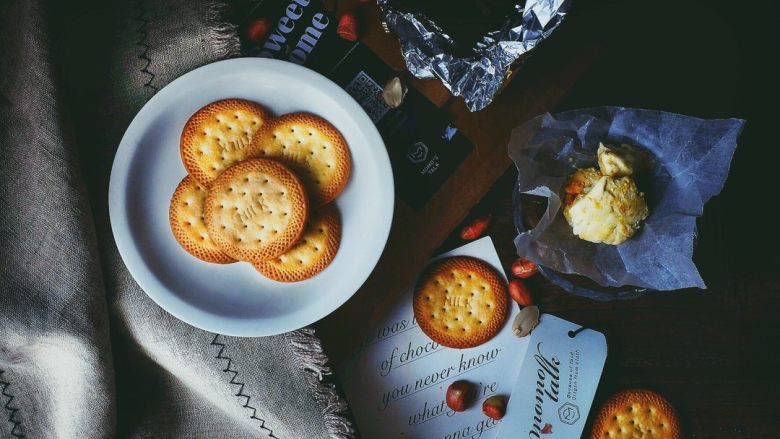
129 250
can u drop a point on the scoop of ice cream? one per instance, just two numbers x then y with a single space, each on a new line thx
608 211
621 161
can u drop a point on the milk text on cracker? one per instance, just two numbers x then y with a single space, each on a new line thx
457 301
250 211
235 144
547 369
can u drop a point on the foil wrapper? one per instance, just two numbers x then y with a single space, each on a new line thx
477 79
692 158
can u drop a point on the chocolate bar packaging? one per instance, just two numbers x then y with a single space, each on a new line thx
423 144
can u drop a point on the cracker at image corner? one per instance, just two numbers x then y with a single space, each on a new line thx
460 302
256 210
637 411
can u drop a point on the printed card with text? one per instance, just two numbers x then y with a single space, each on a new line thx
558 377
396 382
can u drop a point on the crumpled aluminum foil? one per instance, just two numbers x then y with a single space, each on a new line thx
477 79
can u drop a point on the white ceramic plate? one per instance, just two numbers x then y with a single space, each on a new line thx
234 299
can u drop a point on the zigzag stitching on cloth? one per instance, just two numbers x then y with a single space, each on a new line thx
143 35
240 385
16 430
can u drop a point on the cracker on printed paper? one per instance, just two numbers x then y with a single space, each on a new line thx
637 413
460 302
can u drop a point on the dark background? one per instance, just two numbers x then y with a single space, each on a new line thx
714 352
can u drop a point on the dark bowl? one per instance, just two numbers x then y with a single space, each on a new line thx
528 209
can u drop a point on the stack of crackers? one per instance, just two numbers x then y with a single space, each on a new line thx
259 189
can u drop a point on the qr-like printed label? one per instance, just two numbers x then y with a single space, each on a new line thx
369 95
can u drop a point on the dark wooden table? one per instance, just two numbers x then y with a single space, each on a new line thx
714 352
709 351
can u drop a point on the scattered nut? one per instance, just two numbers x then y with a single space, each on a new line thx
494 407
524 268
547 429
348 27
394 92
257 30
459 395
476 228
520 293
526 321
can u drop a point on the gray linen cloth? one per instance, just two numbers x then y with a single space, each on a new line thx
83 351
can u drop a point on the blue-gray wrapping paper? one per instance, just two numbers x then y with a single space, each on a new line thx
692 158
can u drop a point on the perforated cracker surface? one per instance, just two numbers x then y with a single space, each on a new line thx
636 414
311 147
187 222
256 210
218 136
312 254
460 302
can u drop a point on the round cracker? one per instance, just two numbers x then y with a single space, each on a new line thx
460 302
256 210
311 147
314 252
636 413
186 217
218 136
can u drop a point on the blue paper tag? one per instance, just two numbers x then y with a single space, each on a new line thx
558 378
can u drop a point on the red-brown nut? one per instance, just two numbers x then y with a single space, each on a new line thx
459 395
348 27
476 228
257 30
520 293
494 407
524 268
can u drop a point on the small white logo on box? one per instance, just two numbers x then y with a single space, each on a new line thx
417 153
